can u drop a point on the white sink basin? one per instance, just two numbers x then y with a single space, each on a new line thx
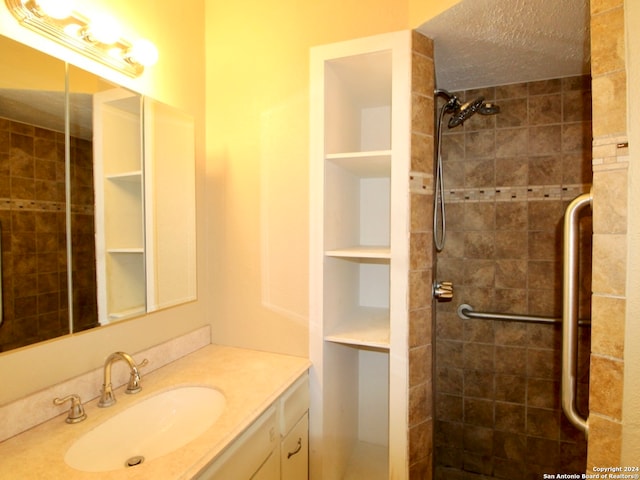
147 430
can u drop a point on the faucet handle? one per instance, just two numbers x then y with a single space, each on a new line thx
76 412
134 378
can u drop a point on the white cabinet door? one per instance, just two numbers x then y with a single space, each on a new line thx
249 454
294 452
270 469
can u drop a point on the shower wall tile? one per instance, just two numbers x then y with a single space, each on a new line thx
543 393
510 417
420 326
545 170
512 171
510 388
510 333
512 142
477 174
420 394
34 234
576 137
542 87
514 90
607 45
513 112
479 144
599 6
609 90
545 140
607 326
605 396
545 109
419 215
605 442
576 105
507 185
543 423
609 272
421 152
576 168
610 211
421 118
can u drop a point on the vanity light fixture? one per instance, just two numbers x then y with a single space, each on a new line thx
98 40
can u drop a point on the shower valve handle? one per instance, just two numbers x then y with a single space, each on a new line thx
443 291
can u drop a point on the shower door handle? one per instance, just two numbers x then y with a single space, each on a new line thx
570 290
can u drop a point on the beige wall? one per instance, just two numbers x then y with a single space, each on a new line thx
257 157
252 225
631 402
178 79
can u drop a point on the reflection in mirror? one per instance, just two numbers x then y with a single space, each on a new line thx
119 188
32 196
170 205
83 88
108 188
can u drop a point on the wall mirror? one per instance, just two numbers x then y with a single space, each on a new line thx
97 200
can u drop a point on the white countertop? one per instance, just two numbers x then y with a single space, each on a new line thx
250 380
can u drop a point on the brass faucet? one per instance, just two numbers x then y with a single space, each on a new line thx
107 398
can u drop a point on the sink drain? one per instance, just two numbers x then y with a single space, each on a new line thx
134 461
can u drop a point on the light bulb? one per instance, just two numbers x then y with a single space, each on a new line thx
143 52
73 30
106 30
59 9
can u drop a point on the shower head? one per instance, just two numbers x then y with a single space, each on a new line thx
465 111
461 112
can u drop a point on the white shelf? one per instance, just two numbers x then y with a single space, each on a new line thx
367 327
125 250
127 313
361 251
364 164
360 158
134 176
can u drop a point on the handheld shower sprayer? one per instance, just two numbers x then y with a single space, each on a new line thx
459 113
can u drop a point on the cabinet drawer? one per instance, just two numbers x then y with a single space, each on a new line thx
293 404
294 452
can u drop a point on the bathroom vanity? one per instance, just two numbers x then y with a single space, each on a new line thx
260 433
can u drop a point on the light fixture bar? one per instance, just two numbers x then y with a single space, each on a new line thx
30 15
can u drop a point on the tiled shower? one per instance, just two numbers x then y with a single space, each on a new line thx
508 179
32 216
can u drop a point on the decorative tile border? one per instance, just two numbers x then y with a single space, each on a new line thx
515 194
610 153
42 206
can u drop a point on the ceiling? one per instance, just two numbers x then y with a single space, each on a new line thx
46 109
481 43
478 43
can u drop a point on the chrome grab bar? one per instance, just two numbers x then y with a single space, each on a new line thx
467 312
570 311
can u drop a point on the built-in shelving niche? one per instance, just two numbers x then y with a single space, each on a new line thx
357 272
